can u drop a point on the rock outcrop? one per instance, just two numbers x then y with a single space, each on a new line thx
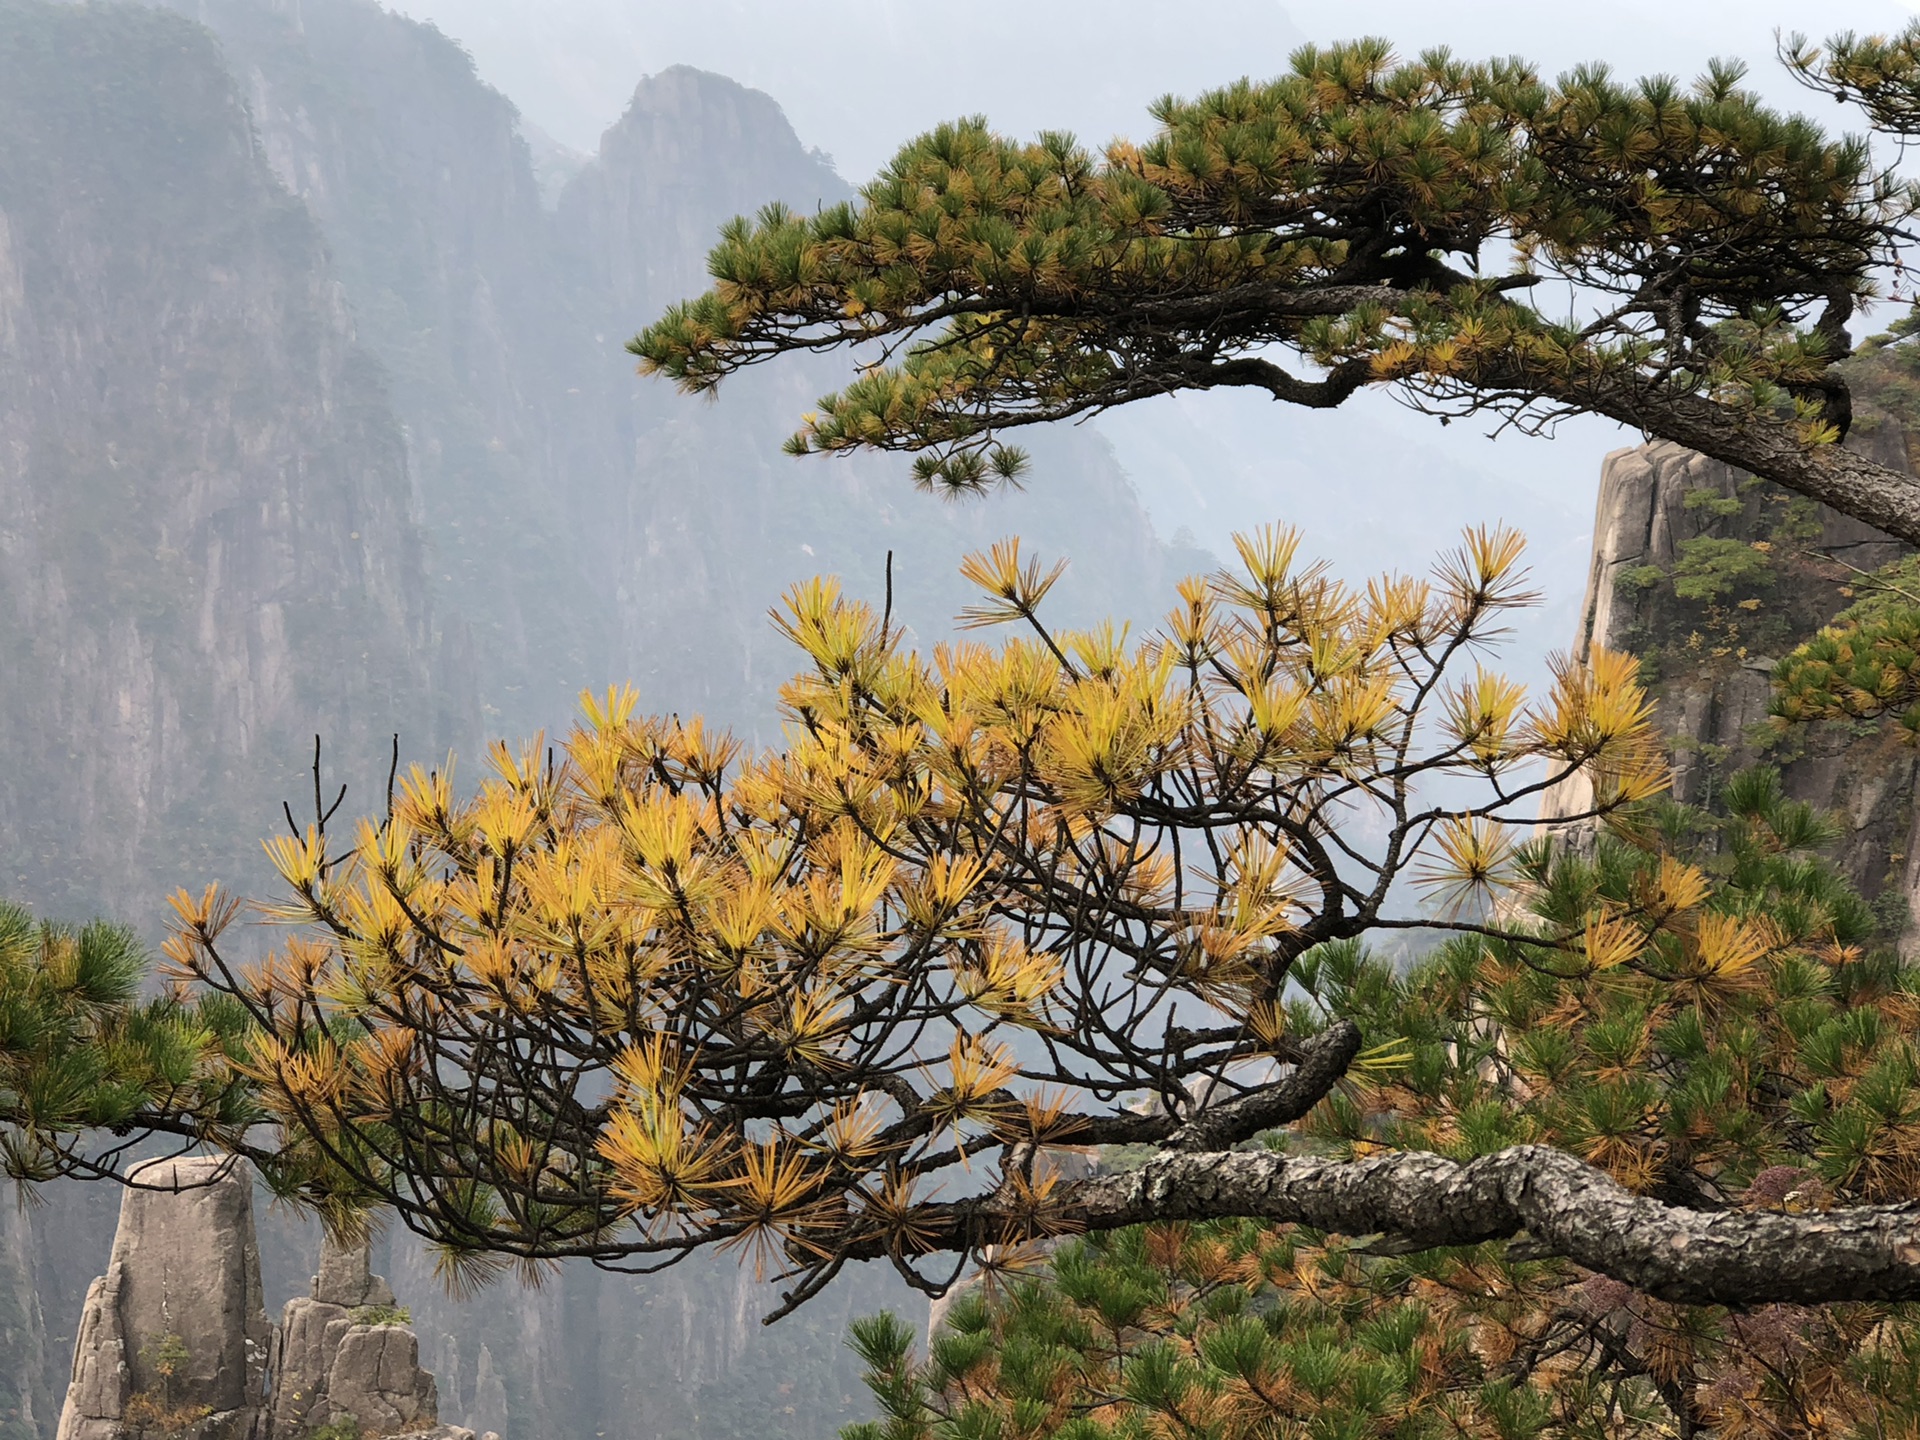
174 1337
1709 576
345 1353
175 1341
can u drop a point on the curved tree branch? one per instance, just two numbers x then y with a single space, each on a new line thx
1322 1061
1565 1206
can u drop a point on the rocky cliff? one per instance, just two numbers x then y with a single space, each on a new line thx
174 1341
1709 577
418 177
174 1336
207 541
314 416
586 526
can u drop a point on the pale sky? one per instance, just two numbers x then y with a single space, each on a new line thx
856 77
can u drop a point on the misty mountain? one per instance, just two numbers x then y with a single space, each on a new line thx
314 417
208 545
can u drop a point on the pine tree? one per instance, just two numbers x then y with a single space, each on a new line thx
645 993
1357 221
1758 1057
89 1069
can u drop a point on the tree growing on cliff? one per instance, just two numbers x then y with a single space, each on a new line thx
1682 260
646 994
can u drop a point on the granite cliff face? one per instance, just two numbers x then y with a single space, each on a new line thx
1709 577
417 176
174 1336
586 526
345 1354
207 545
28 1400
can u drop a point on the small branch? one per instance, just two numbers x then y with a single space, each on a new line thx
393 772
886 615
1322 1061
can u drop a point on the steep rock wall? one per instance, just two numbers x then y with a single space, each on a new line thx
585 525
418 177
1671 526
29 1399
206 542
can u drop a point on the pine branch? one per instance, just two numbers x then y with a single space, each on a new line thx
1423 1201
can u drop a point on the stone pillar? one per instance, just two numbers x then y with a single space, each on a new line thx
174 1337
174 1340
343 1354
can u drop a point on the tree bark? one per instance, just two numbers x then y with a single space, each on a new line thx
1764 445
1564 1206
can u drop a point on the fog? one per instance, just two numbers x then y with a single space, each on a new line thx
858 76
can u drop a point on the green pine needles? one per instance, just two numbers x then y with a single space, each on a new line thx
88 1066
1732 1031
1359 220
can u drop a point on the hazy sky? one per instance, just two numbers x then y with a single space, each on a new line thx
858 76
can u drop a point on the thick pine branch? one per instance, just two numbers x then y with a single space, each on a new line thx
1566 1207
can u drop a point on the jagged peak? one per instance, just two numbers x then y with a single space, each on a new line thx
716 107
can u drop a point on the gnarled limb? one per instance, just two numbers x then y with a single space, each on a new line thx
1427 1201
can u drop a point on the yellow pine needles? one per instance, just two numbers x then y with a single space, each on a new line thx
697 995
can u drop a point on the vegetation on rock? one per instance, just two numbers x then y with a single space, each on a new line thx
161 1412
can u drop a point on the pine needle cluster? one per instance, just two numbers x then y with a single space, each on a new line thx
1863 666
88 1066
1730 1031
1382 221
647 992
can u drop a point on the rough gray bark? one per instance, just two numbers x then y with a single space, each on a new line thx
1850 481
1563 1205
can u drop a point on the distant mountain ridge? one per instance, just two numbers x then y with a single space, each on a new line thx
314 416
